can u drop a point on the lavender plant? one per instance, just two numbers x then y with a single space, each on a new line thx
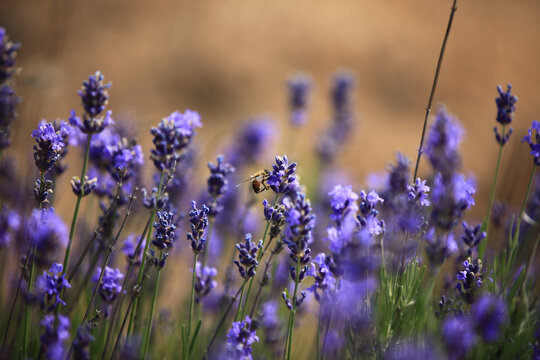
372 289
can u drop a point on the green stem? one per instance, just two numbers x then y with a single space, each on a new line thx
262 282
118 305
110 249
150 318
146 248
28 308
434 87
239 309
207 244
185 347
295 307
91 242
259 256
492 194
77 204
222 320
524 204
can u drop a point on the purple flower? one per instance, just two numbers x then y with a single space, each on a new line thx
368 215
8 113
297 234
282 179
471 278
439 246
198 220
50 285
123 158
450 198
94 98
81 344
489 314
204 281
442 143
506 105
165 227
332 140
247 257
110 286
419 192
472 236
9 223
240 338
343 202
251 142
505 113
299 88
276 216
218 183
172 136
533 139
399 175
48 232
130 247
458 336
53 338
8 56
321 273
49 144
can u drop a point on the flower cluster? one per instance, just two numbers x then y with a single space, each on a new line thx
297 234
472 236
442 143
9 223
133 254
217 183
50 143
471 278
282 178
110 286
48 232
94 98
251 142
56 332
204 281
240 338
8 113
458 336
165 227
505 112
50 286
198 221
172 136
419 192
8 55
333 138
247 257
367 217
533 139
343 202
276 216
322 275
299 88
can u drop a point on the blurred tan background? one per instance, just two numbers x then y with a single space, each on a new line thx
229 60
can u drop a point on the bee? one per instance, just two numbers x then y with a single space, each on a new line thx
258 181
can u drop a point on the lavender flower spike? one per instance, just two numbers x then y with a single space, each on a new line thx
50 285
8 55
172 136
247 257
505 112
8 113
49 144
198 222
282 179
299 88
94 98
217 183
240 338
204 281
165 227
53 339
533 139
489 314
110 286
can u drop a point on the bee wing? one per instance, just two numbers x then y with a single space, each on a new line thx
244 181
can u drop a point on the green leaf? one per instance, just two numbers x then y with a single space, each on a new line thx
516 286
192 345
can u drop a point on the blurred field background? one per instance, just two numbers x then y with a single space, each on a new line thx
229 60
